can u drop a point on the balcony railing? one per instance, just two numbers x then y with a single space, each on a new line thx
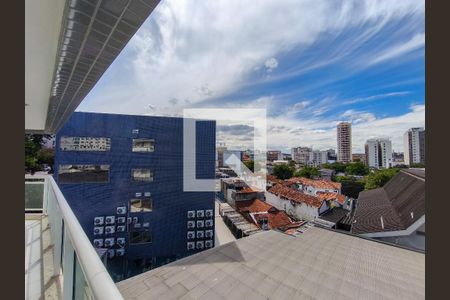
84 275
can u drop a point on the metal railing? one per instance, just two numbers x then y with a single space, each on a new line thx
84 275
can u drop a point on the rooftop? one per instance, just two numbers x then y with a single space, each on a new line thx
396 206
318 263
294 195
319 184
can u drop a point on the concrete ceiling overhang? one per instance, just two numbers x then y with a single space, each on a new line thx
88 36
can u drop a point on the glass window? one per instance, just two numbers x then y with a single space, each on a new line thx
141 175
143 145
83 173
140 237
77 143
141 205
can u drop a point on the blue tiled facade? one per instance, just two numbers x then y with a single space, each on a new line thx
167 222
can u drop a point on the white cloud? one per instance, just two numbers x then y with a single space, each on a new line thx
271 64
414 43
195 50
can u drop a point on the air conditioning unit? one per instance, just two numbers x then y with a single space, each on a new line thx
121 210
200 234
209 213
209 223
129 220
121 220
137 225
190 245
200 213
209 233
208 244
135 220
98 243
200 224
191 235
111 253
121 241
109 242
99 220
146 224
98 230
120 228
109 230
120 252
200 245
110 219
191 224
191 214
147 194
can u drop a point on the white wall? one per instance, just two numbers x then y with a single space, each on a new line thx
298 211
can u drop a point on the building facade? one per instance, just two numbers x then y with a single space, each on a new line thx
122 176
379 153
414 146
317 158
301 155
274 155
344 142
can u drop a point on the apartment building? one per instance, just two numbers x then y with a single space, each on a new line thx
414 146
122 175
379 153
274 155
344 142
317 158
301 155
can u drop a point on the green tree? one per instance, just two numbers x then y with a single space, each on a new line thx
379 178
336 166
308 172
283 171
250 164
350 186
33 144
417 165
357 168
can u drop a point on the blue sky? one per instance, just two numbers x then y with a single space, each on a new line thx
310 63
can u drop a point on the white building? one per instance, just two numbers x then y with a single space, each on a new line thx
414 146
379 153
301 154
317 158
295 203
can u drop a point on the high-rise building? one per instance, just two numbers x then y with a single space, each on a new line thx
122 175
379 153
414 146
344 142
301 154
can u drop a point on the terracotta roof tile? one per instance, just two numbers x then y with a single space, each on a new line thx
331 196
296 196
318 184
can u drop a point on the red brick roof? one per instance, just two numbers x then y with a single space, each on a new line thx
253 206
274 179
296 196
331 196
318 184
276 219
246 190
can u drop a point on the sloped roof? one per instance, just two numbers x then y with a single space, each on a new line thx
318 184
296 196
400 203
317 264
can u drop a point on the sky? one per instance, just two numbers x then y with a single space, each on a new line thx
311 64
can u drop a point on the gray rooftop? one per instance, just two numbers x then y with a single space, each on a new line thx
318 264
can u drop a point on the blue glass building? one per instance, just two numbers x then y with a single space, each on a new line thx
123 177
